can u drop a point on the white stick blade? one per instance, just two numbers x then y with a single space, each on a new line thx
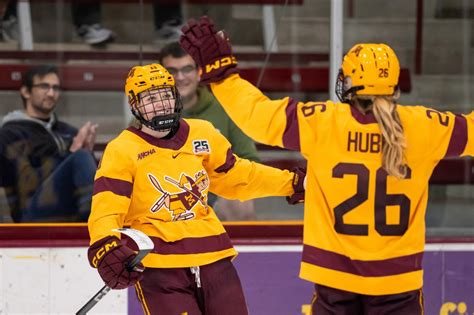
141 239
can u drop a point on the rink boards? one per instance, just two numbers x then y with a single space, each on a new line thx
45 271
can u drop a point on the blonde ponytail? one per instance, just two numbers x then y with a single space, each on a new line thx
394 144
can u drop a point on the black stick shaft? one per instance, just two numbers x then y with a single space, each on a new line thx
94 300
105 289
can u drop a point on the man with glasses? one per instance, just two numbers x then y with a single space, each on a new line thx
47 166
199 103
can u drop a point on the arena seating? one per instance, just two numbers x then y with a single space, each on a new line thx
111 78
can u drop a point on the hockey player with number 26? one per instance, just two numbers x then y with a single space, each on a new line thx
369 163
156 179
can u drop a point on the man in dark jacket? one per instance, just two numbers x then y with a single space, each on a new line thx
46 166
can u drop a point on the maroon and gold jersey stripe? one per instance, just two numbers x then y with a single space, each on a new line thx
366 268
116 186
229 162
458 140
291 135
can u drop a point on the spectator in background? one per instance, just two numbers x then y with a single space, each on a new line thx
47 167
168 20
198 102
86 19
9 23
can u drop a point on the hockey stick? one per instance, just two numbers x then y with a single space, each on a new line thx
145 245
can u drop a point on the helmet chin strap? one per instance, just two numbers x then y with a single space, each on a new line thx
344 90
160 123
351 92
163 123
365 103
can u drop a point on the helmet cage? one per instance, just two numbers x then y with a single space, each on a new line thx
344 92
153 108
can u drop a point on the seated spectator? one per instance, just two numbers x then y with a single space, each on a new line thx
198 102
47 166
86 18
8 23
168 20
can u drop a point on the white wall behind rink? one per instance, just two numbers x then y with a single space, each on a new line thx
60 280
52 281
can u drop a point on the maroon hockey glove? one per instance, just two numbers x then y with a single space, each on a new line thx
298 186
111 258
211 50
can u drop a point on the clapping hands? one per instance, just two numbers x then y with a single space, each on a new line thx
85 138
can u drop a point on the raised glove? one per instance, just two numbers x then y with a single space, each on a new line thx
111 258
299 186
211 50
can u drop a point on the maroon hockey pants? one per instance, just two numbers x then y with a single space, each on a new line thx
330 301
174 291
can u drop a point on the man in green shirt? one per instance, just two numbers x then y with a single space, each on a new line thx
199 102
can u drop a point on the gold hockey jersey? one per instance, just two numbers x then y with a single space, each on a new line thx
160 187
364 231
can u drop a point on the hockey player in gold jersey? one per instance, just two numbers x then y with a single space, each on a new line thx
369 163
156 179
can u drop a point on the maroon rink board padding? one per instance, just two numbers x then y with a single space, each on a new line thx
77 235
111 78
453 171
44 235
241 233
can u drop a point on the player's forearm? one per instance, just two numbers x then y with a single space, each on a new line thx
106 214
250 180
264 120
102 227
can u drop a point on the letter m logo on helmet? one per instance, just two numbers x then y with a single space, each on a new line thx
372 68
